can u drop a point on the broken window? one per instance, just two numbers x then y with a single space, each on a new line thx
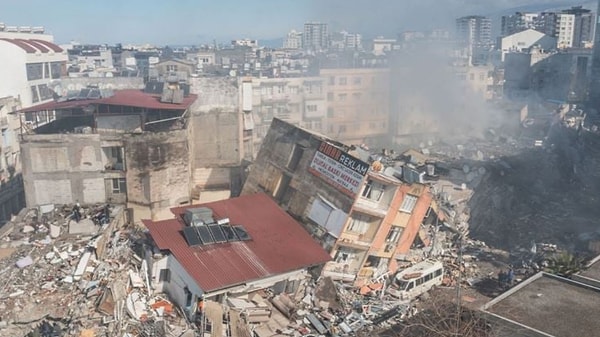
114 158
119 185
373 190
393 234
294 160
284 183
408 204
34 94
359 223
165 275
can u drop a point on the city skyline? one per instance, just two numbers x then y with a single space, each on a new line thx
196 22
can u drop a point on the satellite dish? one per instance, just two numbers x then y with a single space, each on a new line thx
232 73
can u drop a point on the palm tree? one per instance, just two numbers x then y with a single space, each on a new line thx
565 264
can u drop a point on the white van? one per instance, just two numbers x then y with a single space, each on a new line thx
416 280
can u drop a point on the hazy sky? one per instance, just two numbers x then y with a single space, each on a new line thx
200 21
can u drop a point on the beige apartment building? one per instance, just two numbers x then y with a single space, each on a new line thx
358 104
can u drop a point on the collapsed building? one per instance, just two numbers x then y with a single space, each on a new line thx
367 215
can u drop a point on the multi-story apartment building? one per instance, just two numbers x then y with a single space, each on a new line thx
474 30
364 214
31 60
29 63
358 102
474 33
127 147
300 101
521 21
315 36
293 40
594 93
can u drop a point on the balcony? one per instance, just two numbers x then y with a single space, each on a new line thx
3 122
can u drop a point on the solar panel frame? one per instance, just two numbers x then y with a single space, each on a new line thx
205 234
229 233
241 233
217 233
191 236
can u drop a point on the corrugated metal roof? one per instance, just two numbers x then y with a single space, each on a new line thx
127 97
279 244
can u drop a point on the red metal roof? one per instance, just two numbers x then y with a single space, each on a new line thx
25 46
138 98
279 244
36 45
32 46
128 97
50 45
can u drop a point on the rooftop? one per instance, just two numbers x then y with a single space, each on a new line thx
32 46
593 270
128 97
278 244
550 304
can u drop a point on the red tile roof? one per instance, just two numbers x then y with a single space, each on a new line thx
279 244
127 97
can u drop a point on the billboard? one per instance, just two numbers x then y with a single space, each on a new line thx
338 168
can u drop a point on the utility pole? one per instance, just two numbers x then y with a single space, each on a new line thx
458 282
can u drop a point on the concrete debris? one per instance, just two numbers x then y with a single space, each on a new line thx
65 278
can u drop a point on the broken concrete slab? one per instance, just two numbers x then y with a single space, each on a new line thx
84 226
24 262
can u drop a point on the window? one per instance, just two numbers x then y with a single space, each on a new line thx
481 77
342 97
311 108
359 223
330 96
294 160
35 71
119 185
342 81
316 125
34 94
293 90
330 112
55 70
171 67
164 275
332 80
408 204
46 70
356 80
343 256
356 96
341 128
393 234
472 77
45 92
373 190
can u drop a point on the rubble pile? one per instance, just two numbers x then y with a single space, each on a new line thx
61 277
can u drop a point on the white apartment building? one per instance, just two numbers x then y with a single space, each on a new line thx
293 40
29 61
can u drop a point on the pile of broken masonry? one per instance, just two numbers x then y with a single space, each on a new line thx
66 278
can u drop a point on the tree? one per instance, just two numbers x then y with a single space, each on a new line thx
442 319
565 264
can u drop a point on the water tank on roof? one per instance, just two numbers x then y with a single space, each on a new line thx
198 216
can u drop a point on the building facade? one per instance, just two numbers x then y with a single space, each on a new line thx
366 215
127 148
358 103
315 36
31 61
